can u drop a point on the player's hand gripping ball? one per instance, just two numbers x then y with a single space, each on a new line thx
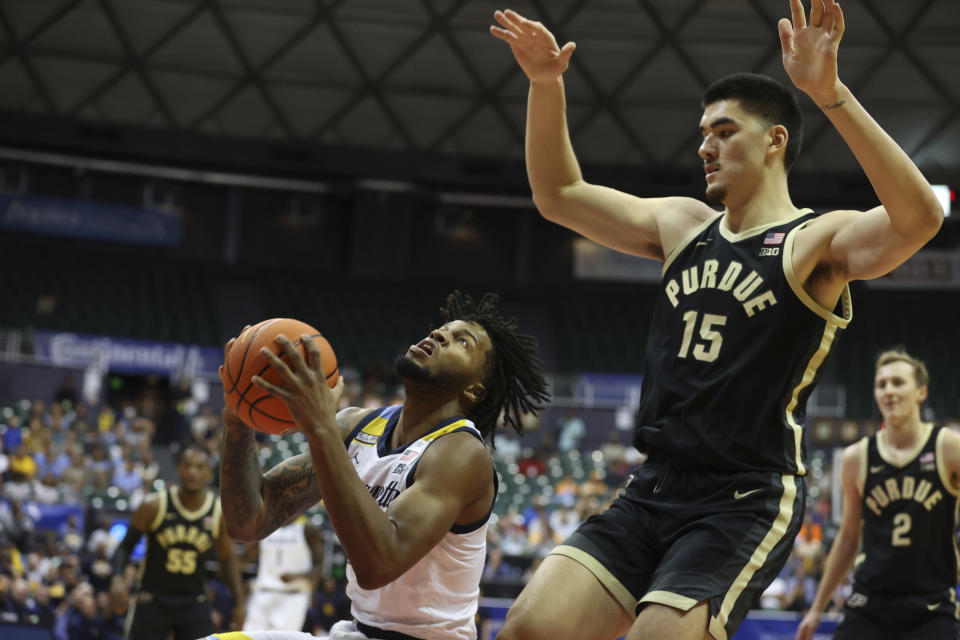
257 408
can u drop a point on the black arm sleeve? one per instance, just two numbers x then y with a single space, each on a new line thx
122 555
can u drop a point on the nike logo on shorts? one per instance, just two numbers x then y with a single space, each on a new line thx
931 607
877 469
737 495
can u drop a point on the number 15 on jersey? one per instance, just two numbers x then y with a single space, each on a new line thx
707 348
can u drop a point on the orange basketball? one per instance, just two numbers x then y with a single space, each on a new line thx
254 406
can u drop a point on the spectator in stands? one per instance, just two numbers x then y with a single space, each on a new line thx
101 536
595 485
80 418
801 586
18 606
563 521
51 459
540 538
330 605
571 429
22 465
70 534
47 490
567 490
57 432
105 418
809 541
75 477
82 621
98 463
17 525
126 477
13 434
513 538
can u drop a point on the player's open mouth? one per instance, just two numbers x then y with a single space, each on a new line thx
426 346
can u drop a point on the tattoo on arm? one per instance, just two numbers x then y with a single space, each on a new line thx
835 105
289 489
240 478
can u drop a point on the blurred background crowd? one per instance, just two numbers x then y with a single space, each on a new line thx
70 475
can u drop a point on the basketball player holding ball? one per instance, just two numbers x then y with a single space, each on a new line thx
408 488
751 302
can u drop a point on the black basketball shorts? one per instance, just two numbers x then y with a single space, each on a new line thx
906 616
680 536
151 617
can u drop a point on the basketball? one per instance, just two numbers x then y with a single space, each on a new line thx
254 406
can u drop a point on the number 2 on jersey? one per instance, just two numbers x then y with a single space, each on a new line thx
709 349
901 528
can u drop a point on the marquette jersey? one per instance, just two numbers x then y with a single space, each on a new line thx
284 551
735 348
437 597
179 543
909 520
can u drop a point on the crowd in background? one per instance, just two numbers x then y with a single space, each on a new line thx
63 452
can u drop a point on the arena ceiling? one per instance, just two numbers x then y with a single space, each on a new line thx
425 75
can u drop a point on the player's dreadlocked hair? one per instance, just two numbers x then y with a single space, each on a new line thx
516 384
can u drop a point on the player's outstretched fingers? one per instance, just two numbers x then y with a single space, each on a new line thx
799 17
816 13
294 357
278 365
314 359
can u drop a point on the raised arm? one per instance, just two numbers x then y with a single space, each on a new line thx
855 245
256 504
845 545
647 227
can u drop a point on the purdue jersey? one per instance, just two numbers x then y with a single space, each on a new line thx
735 348
437 597
179 543
909 520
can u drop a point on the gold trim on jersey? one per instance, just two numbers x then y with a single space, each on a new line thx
863 454
374 429
846 305
671 599
161 510
776 533
686 240
619 592
731 236
826 342
945 475
208 502
911 454
217 514
445 430
956 555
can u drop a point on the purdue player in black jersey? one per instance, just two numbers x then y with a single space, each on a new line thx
900 493
184 531
752 300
